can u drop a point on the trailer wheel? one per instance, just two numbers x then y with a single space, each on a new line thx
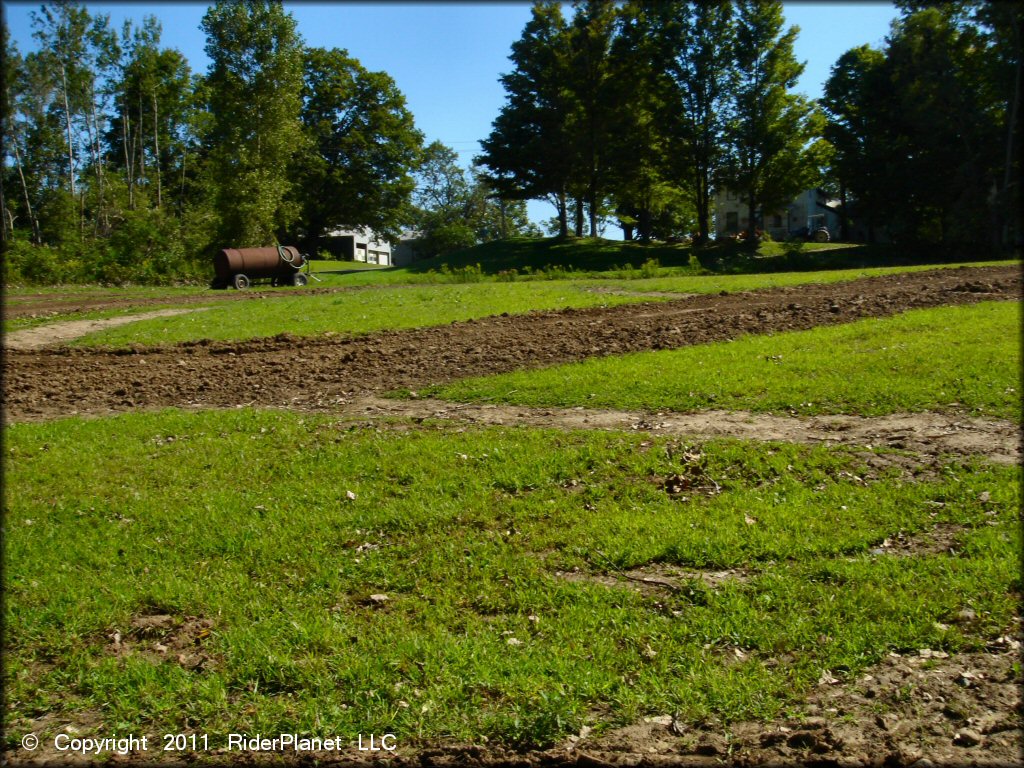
299 280
821 236
241 282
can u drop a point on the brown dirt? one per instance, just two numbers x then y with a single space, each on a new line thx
320 372
162 637
922 709
929 435
53 304
57 333
930 707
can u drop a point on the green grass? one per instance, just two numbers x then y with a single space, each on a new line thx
356 312
965 358
245 519
597 255
374 308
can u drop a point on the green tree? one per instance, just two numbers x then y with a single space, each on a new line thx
921 130
255 99
457 209
770 127
591 122
702 46
150 132
529 152
364 147
640 179
858 104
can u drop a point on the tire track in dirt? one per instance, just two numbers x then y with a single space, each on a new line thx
320 372
54 304
57 333
930 435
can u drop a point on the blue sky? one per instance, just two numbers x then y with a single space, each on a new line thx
446 57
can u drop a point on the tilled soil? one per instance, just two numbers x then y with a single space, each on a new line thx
286 371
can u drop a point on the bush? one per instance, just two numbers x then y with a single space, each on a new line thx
29 264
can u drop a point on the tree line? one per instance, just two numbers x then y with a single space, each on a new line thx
121 164
640 111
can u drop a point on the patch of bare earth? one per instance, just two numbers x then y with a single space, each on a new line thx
658 577
926 708
930 435
59 333
55 304
293 372
162 637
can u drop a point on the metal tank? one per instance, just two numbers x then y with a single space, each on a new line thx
240 266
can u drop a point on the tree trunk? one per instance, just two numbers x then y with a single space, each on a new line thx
644 225
563 215
142 148
67 120
579 217
6 214
181 194
28 203
844 218
156 151
752 221
128 158
703 212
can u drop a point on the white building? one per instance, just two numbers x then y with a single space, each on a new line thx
810 210
359 245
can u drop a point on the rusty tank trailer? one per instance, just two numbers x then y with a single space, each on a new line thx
239 267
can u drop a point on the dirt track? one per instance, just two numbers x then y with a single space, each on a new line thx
317 372
960 709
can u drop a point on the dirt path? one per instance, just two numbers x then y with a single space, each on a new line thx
321 372
52 304
930 435
58 333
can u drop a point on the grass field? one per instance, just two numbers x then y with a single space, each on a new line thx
965 358
377 307
262 571
406 579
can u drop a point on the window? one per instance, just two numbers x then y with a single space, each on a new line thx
732 222
777 220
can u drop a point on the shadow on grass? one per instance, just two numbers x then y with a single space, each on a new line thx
564 257
798 256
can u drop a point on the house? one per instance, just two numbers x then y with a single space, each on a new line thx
792 221
358 245
408 249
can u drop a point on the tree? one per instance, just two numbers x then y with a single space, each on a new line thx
63 62
858 105
919 129
638 143
457 210
702 43
363 148
770 128
529 152
255 99
150 132
590 122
